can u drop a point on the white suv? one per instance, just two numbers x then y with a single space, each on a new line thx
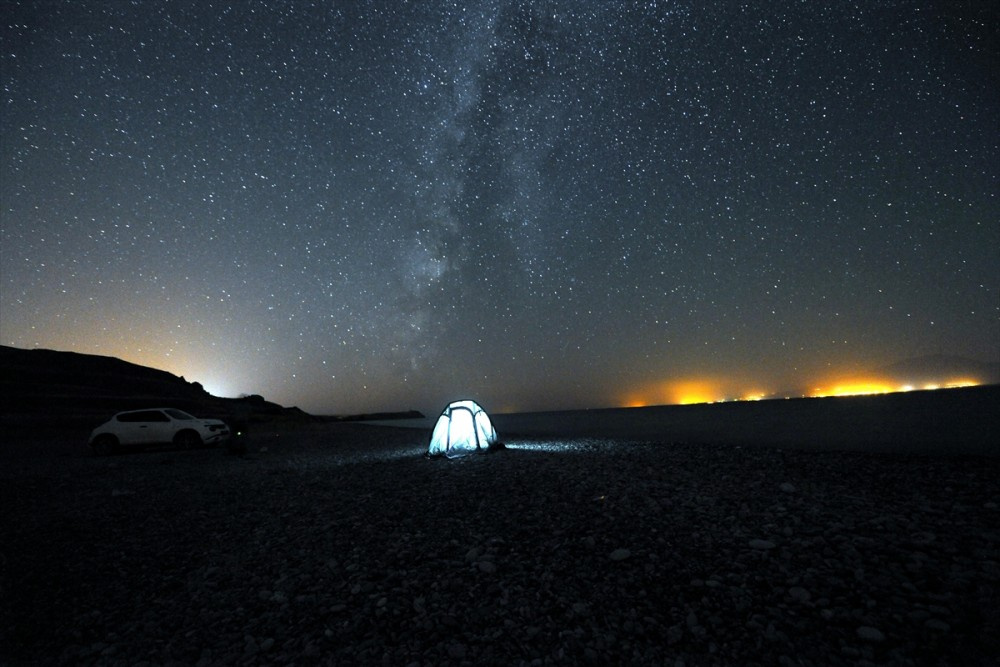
156 426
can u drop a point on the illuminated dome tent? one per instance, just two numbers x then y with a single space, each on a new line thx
463 428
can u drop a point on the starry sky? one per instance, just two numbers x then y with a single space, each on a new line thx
382 205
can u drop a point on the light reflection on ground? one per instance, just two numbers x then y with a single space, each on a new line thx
564 446
336 457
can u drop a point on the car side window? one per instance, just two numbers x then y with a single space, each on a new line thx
144 416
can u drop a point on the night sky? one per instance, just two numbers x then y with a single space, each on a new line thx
358 206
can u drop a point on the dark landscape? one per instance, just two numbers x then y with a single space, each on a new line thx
332 542
723 276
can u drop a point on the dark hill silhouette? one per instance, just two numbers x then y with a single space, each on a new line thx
42 384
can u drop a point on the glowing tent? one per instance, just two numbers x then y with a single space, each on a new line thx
463 428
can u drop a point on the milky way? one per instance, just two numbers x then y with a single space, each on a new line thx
384 205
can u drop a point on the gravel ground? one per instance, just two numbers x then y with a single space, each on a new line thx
340 544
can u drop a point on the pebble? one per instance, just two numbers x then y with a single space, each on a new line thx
937 625
761 544
486 567
620 554
799 594
870 634
787 488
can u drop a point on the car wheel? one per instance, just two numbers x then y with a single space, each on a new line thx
105 445
187 440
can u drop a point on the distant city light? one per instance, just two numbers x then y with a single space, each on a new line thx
692 392
855 388
868 388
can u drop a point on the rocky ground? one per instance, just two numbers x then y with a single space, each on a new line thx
340 544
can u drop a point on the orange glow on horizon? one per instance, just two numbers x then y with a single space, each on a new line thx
676 392
855 387
691 392
872 386
697 391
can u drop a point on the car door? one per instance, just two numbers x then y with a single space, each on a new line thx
142 427
159 427
133 427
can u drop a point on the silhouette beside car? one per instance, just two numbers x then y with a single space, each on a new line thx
157 426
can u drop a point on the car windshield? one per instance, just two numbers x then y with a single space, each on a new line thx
178 414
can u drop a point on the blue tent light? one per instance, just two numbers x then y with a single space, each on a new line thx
463 428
